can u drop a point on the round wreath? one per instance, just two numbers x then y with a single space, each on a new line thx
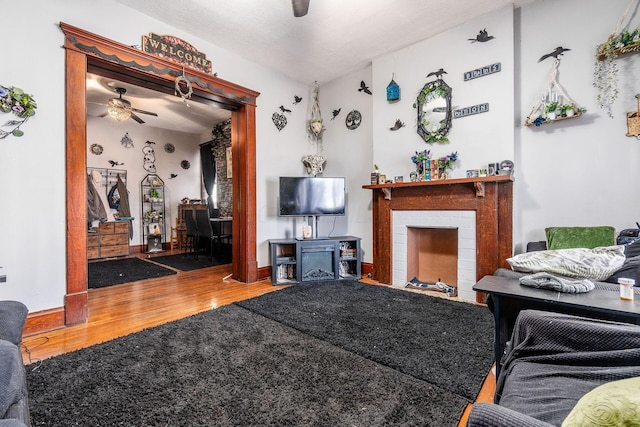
185 95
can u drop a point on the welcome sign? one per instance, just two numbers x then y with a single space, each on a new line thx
176 50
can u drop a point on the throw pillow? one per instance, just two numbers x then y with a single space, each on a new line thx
597 263
629 270
616 403
580 237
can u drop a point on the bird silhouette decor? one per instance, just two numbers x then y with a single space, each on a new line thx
556 53
173 175
284 110
364 88
114 163
482 37
296 99
397 125
335 113
438 73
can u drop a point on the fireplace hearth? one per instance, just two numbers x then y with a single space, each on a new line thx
490 199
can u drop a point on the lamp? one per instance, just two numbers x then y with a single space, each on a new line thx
119 108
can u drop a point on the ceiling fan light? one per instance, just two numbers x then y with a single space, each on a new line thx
118 110
300 7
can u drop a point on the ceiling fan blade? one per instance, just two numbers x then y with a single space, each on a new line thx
136 118
300 7
105 114
144 112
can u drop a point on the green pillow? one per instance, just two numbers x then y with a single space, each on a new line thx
616 403
580 237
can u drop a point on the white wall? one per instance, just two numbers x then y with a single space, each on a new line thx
581 171
32 168
108 133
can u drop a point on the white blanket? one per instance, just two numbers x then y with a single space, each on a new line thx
597 263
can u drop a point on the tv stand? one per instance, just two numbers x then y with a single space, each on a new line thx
307 260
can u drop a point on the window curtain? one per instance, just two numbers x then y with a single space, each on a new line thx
208 161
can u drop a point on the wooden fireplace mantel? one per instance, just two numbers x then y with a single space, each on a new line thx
490 197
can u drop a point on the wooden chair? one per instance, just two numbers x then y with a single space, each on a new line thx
173 239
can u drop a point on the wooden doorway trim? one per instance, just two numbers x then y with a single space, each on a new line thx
84 49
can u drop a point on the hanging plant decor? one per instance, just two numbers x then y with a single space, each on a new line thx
605 74
14 100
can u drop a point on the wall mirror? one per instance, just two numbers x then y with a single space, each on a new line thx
434 111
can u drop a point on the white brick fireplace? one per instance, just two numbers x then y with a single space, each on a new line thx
462 220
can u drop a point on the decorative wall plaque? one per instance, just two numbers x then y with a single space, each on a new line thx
470 111
176 50
483 71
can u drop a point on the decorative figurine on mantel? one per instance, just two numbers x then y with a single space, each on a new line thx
315 162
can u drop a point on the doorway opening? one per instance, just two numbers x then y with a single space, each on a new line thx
89 52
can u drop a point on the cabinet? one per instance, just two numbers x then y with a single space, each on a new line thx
153 227
110 239
305 260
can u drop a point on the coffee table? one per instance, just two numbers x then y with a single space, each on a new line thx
507 297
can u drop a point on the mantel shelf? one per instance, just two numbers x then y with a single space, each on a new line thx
478 184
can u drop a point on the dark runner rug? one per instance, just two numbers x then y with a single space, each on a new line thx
443 342
187 262
230 367
125 270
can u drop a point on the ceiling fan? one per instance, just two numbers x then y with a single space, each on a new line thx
120 109
300 7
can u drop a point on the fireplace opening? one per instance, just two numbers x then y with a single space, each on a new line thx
432 258
317 262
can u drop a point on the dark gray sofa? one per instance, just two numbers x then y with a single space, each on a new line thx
552 361
14 400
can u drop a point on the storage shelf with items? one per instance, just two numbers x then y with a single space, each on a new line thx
296 260
349 258
153 207
284 264
110 239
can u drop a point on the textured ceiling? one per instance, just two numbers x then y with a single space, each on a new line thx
335 38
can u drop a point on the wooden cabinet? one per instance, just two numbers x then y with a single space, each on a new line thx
296 260
111 239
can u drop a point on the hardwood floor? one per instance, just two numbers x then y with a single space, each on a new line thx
131 307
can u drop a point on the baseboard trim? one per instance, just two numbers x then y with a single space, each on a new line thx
44 321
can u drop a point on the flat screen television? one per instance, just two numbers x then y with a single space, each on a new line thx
311 196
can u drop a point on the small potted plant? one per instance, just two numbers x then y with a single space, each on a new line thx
567 110
550 110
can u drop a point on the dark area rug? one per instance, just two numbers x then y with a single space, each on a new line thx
125 270
443 342
187 262
230 367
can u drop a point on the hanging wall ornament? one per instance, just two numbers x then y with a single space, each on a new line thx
353 120
149 160
126 141
393 90
279 120
397 125
315 124
185 93
96 149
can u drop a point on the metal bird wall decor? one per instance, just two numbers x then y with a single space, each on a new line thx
173 175
115 163
397 125
438 73
557 52
364 88
296 99
482 37
284 110
335 113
